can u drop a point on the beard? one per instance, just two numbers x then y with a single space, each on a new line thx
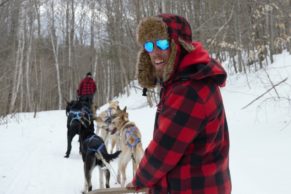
159 74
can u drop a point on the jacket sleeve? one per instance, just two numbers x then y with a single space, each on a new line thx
180 120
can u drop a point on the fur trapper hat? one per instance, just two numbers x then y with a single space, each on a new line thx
165 26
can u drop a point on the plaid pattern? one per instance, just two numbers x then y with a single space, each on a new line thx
177 27
189 152
86 87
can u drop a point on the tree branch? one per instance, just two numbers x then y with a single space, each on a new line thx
273 87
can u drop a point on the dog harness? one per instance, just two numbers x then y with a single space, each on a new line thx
109 116
77 115
108 119
129 132
94 149
87 110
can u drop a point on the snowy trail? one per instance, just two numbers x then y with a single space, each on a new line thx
39 163
38 157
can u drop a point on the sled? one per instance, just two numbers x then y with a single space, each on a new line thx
116 191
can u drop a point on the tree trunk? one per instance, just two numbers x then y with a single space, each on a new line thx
55 46
270 25
18 74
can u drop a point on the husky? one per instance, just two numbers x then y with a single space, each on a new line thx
73 112
130 143
94 153
103 121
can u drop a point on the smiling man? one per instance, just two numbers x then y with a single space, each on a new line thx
189 151
159 52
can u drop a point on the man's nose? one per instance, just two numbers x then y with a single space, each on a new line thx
156 51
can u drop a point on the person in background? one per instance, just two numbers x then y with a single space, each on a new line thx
189 150
87 89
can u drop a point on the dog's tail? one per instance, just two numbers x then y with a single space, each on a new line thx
109 157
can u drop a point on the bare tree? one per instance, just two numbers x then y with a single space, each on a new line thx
18 72
54 42
99 36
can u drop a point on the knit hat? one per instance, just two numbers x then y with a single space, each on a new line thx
165 26
89 74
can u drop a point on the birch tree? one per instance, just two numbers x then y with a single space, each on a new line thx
99 36
18 72
55 47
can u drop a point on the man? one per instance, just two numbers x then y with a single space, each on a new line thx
87 89
189 152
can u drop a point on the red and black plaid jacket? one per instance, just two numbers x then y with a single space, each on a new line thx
86 87
189 152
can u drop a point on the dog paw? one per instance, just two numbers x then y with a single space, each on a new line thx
66 156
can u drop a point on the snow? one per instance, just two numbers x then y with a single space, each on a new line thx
32 149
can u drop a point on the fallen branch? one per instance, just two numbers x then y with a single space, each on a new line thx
116 191
271 83
273 87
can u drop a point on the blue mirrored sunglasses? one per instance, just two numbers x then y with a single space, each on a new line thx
161 44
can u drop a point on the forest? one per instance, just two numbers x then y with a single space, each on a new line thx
47 46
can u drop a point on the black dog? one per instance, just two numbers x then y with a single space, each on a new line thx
94 152
74 110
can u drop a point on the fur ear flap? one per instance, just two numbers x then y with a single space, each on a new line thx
187 46
146 73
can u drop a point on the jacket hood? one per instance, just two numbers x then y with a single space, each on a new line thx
197 65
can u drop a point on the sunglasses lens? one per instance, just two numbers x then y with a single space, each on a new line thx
163 44
149 46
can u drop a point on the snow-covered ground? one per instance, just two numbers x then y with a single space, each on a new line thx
32 149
